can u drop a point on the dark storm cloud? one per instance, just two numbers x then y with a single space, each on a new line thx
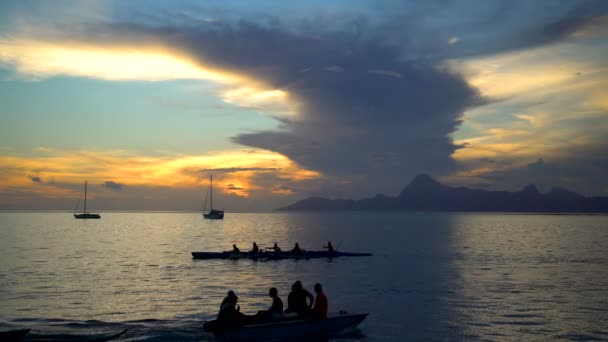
423 29
367 113
374 109
537 165
589 161
285 187
113 185
347 113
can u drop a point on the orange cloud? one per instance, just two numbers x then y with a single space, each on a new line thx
55 167
142 62
551 99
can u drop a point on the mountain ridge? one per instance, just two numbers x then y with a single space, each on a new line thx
424 193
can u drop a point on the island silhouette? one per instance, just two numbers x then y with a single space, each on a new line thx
426 194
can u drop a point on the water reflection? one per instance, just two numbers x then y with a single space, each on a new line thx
433 276
524 277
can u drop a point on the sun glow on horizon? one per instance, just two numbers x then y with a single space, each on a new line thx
57 173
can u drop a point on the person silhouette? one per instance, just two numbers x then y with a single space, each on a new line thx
320 307
330 247
296 300
276 309
229 316
296 248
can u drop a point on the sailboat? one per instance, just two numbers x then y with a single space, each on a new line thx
213 214
85 214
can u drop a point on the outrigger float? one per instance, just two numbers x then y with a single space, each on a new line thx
275 255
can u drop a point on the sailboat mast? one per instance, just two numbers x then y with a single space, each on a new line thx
85 196
211 189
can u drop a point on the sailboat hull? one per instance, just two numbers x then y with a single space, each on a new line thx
214 215
87 216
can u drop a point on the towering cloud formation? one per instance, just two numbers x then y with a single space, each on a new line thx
364 114
370 103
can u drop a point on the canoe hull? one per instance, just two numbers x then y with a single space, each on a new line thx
87 216
274 256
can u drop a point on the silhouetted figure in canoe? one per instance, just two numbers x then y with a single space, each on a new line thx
276 309
235 249
320 308
230 316
255 249
275 312
297 249
229 298
276 248
330 247
296 301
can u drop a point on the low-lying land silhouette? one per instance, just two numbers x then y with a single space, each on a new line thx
426 194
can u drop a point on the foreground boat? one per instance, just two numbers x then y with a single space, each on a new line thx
281 330
274 255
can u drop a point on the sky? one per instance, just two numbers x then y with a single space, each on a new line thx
280 101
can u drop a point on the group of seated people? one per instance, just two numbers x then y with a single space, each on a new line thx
300 304
296 248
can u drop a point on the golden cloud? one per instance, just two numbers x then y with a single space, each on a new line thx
177 171
143 62
550 98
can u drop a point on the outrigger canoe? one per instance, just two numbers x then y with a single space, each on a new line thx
287 329
274 255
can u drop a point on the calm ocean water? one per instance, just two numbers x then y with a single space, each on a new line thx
433 277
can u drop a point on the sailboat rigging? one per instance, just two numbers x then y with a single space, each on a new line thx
213 214
85 214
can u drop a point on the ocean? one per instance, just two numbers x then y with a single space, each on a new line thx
433 276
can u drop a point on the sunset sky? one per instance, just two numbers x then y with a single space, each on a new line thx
285 100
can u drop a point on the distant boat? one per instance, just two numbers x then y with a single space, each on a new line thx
213 214
274 255
85 214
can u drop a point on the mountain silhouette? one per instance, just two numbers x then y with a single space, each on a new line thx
426 194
